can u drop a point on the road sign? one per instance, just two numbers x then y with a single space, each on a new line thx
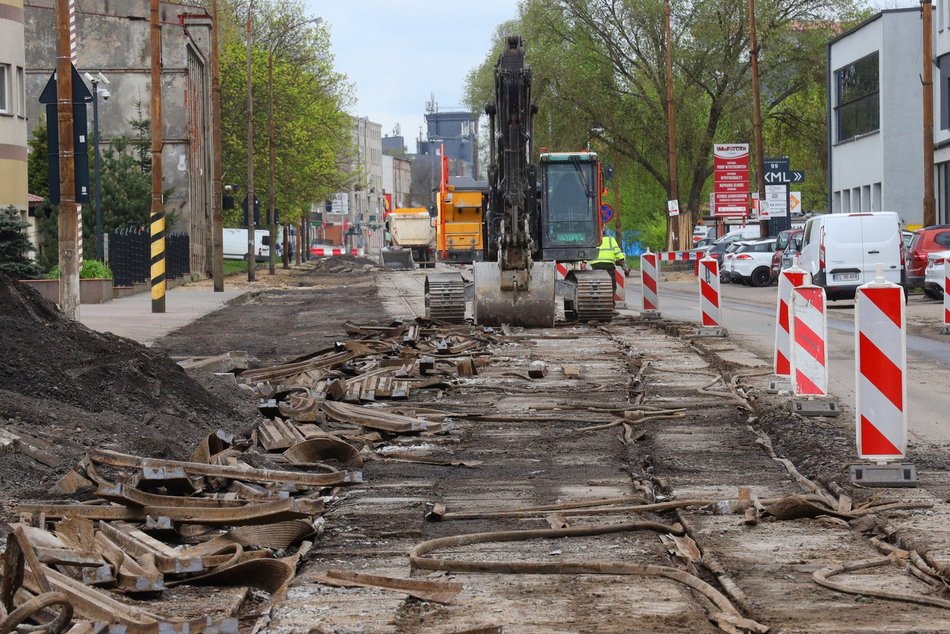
783 177
673 207
731 178
80 97
776 197
795 203
606 213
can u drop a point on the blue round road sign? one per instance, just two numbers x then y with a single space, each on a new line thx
606 213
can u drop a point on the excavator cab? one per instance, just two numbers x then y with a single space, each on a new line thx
570 206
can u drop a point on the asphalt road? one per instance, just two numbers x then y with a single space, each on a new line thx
749 315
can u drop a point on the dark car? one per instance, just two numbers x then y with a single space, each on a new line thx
788 238
927 240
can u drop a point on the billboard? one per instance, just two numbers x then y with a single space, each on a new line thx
731 178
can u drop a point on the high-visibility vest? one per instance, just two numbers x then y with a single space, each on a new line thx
609 251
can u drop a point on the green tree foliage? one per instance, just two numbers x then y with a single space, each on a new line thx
15 246
312 132
601 64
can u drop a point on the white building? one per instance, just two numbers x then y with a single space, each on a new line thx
875 124
942 110
365 226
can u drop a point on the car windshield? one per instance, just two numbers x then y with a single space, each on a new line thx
782 241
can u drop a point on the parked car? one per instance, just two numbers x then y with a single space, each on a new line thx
925 241
719 247
785 241
751 263
935 274
842 251
725 264
788 256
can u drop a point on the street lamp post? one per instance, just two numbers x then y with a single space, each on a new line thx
95 81
272 194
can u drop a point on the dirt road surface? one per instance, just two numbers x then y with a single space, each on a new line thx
560 439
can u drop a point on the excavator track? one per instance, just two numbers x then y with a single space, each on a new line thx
594 295
445 297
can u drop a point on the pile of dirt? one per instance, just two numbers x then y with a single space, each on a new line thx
75 388
345 264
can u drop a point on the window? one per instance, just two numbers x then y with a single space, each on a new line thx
5 96
943 85
858 108
943 239
21 92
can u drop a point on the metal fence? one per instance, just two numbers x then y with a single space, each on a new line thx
130 255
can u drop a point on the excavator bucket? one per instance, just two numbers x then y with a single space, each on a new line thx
498 302
399 259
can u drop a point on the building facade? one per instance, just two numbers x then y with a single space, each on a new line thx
13 127
875 121
942 110
113 38
365 200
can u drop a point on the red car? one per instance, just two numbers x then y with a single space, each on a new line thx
785 239
925 241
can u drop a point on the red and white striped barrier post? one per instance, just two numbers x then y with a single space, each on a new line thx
650 285
946 297
808 357
788 279
709 308
880 374
620 287
560 271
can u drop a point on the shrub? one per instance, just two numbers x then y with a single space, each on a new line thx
91 269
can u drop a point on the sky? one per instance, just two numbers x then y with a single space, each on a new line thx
397 53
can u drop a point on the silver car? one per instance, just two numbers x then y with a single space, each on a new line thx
935 274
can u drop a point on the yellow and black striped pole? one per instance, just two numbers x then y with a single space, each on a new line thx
157 217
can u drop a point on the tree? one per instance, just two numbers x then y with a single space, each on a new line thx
314 148
15 246
601 63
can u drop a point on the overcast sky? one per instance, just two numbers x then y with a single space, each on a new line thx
397 52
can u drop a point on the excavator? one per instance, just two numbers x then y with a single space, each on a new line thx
536 216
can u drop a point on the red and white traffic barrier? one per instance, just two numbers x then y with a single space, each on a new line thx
650 282
788 279
710 312
946 297
808 357
325 252
880 373
560 271
678 256
620 287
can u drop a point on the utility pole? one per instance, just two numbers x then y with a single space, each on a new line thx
671 130
757 119
157 220
618 224
930 210
251 255
69 237
271 222
217 226
95 127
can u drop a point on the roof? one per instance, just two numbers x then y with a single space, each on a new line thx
33 198
860 25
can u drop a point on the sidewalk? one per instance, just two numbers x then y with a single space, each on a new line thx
132 316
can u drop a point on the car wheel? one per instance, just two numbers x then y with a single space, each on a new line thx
932 294
761 277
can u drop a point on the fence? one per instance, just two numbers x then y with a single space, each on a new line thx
130 255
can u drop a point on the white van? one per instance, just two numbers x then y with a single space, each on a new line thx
841 251
235 244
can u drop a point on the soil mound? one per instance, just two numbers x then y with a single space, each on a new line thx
344 264
75 388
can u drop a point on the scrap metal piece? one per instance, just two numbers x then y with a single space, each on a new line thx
277 435
325 448
265 512
443 592
250 474
374 419
538 370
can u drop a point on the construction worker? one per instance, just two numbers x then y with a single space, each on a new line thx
609 257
